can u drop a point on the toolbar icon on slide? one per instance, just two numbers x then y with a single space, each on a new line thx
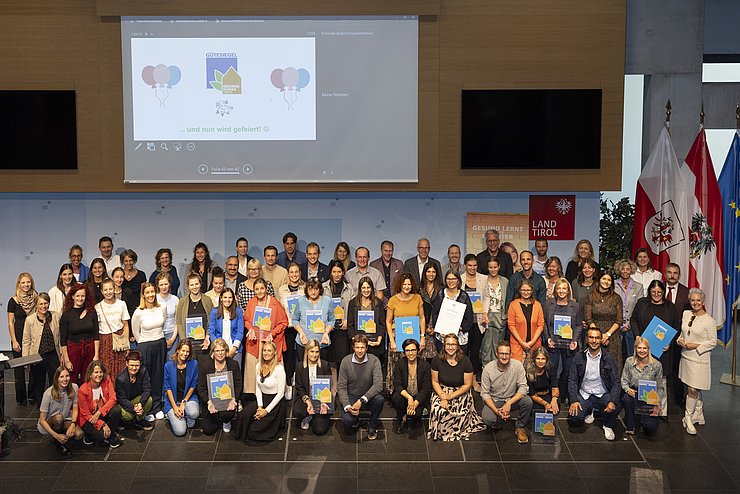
202 168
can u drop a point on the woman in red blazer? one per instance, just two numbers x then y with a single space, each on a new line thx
98 414
526 321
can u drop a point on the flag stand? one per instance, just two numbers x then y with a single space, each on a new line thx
731 378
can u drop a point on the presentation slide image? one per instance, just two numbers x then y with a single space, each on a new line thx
224 89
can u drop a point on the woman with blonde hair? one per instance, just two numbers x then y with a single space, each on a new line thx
147 326
20 306
263 420
41 335
561 347
220 362
245 290
584 250
553 272
641 367
318 419
630 291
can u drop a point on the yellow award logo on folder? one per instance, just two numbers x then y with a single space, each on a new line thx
338 312
317 326
478 307
224 392
264 323
369 326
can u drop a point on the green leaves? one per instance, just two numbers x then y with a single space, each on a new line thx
219 76
615 232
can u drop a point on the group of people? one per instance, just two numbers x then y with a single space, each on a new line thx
120 349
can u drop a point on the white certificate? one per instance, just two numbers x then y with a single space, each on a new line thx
450 317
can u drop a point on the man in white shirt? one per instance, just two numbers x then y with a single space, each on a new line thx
540 246
362 257
594 384
415 265
271 270
105 246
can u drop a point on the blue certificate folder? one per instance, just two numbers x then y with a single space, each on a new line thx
407 327
544 423
321 393
647 396
659 334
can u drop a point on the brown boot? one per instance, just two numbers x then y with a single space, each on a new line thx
521 435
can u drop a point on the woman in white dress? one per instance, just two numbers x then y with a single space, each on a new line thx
698 338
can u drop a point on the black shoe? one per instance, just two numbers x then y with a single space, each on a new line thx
31 401
87 441
399 427
143 425
113 441
372 434
22 403
64 451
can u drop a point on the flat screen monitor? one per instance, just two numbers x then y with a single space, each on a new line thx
531 129
38 130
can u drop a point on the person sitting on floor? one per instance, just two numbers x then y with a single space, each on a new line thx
180 383
593 384
318 420
641 367
219 362
503 389
360 387
99 416
134 392
412 387
542 380
58 412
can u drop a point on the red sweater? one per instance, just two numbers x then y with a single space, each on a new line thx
278 323
87 406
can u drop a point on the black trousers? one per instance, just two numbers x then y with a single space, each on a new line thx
112 419
153 355
289 355
319 424
475 338
213 421
40 373
400 404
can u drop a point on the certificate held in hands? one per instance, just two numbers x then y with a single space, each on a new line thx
314 321
221 389
450 317
659 334
194 328
366 322
564 330
407 327
262 322
321 393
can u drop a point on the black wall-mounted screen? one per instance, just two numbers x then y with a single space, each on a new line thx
531 129
38 130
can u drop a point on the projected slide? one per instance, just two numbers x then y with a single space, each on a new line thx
270 99
225 89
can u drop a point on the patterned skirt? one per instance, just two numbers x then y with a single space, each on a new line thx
114 361
458 422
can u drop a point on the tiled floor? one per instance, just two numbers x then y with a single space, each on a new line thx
577 461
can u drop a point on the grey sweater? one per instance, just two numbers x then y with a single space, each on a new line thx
500 386
359 379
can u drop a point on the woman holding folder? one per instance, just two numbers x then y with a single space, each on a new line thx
656 305
405 303
366 301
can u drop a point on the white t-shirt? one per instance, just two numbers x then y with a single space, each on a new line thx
170 305
111 316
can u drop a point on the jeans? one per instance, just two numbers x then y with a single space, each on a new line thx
593 402
524 405
375 405
180 425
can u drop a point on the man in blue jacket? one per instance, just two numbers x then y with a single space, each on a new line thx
593 384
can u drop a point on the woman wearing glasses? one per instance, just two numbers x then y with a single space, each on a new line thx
453 291
412 387
698 338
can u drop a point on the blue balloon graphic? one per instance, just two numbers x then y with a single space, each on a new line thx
303 79
175 75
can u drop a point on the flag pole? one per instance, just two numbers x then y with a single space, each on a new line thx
726 378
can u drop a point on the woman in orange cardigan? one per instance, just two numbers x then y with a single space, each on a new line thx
526 321
98 414
254 338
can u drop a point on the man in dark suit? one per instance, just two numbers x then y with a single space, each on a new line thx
389 266
415 265
312 268
677 293
492 250
233 278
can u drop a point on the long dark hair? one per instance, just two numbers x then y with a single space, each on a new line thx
206 261
232 309
60 283
437 283
373 298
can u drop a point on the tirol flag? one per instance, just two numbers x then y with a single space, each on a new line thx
661 211
706 246
729 187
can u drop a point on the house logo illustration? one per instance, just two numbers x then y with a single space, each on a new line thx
222 73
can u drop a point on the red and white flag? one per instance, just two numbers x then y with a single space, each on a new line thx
706 242
661 208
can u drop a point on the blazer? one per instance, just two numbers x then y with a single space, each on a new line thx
504 282
345 295
411 266
323 272
123 388
210 368
86 405
170 381
302 381
181 313
216 329
572 309
607 369
517 322
682 298
480 281
32 334
278 324
630 296
506 265
468 318
396 268
240 278
423 379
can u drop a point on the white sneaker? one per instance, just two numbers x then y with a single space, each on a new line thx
159 415
608 433
288 393
149 418
226 427
589 418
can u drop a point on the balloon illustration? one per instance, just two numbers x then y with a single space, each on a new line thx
161 78
277 79
303 79
290 81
